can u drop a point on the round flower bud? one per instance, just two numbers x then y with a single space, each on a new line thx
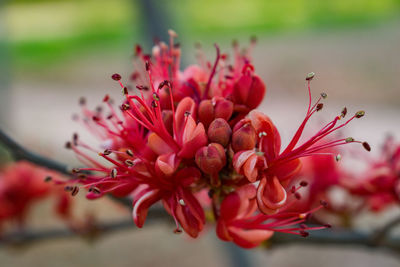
211 159
223 109
219 132
244 136
206 112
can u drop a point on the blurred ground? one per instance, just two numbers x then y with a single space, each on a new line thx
358 68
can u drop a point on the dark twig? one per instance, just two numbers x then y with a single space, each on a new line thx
98 230
323 237
20 153
381 234
336 237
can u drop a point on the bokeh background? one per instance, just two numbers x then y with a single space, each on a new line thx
54 51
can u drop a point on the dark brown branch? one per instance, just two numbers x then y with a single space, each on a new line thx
323 237
20 153
28 237
381 234
337 237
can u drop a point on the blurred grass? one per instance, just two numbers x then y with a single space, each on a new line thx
48 32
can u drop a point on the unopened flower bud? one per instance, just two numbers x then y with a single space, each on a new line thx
219 132
206 112
249 90
244 136
211 159
223 109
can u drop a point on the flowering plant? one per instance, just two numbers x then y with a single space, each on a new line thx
181 133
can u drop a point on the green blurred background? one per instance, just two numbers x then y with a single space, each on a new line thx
41 32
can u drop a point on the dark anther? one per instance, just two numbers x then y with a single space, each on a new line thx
82 176
187 113
327 225
125 90
303 183
47 179
125 106
154 104
75 191
82 101
129 162
177 231
75 170
114 173
297 196
323 203
129 152
107 152
344 112
324 95
349 139
304 233
116 77
147 65
95 118
95 190
68 145
320 106
142 87
310 76
366 146
360 114
109 117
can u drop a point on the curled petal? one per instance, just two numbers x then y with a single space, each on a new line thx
239 203
187 105
250 170
244 162
143 201
249 238
167 163
270 195
272 141
240 159
193 140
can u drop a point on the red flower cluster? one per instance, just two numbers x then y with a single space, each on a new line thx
21 185
182 132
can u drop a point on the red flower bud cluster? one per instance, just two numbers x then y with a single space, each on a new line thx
182 132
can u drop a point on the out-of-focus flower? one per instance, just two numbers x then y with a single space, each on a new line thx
379 185
22 185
